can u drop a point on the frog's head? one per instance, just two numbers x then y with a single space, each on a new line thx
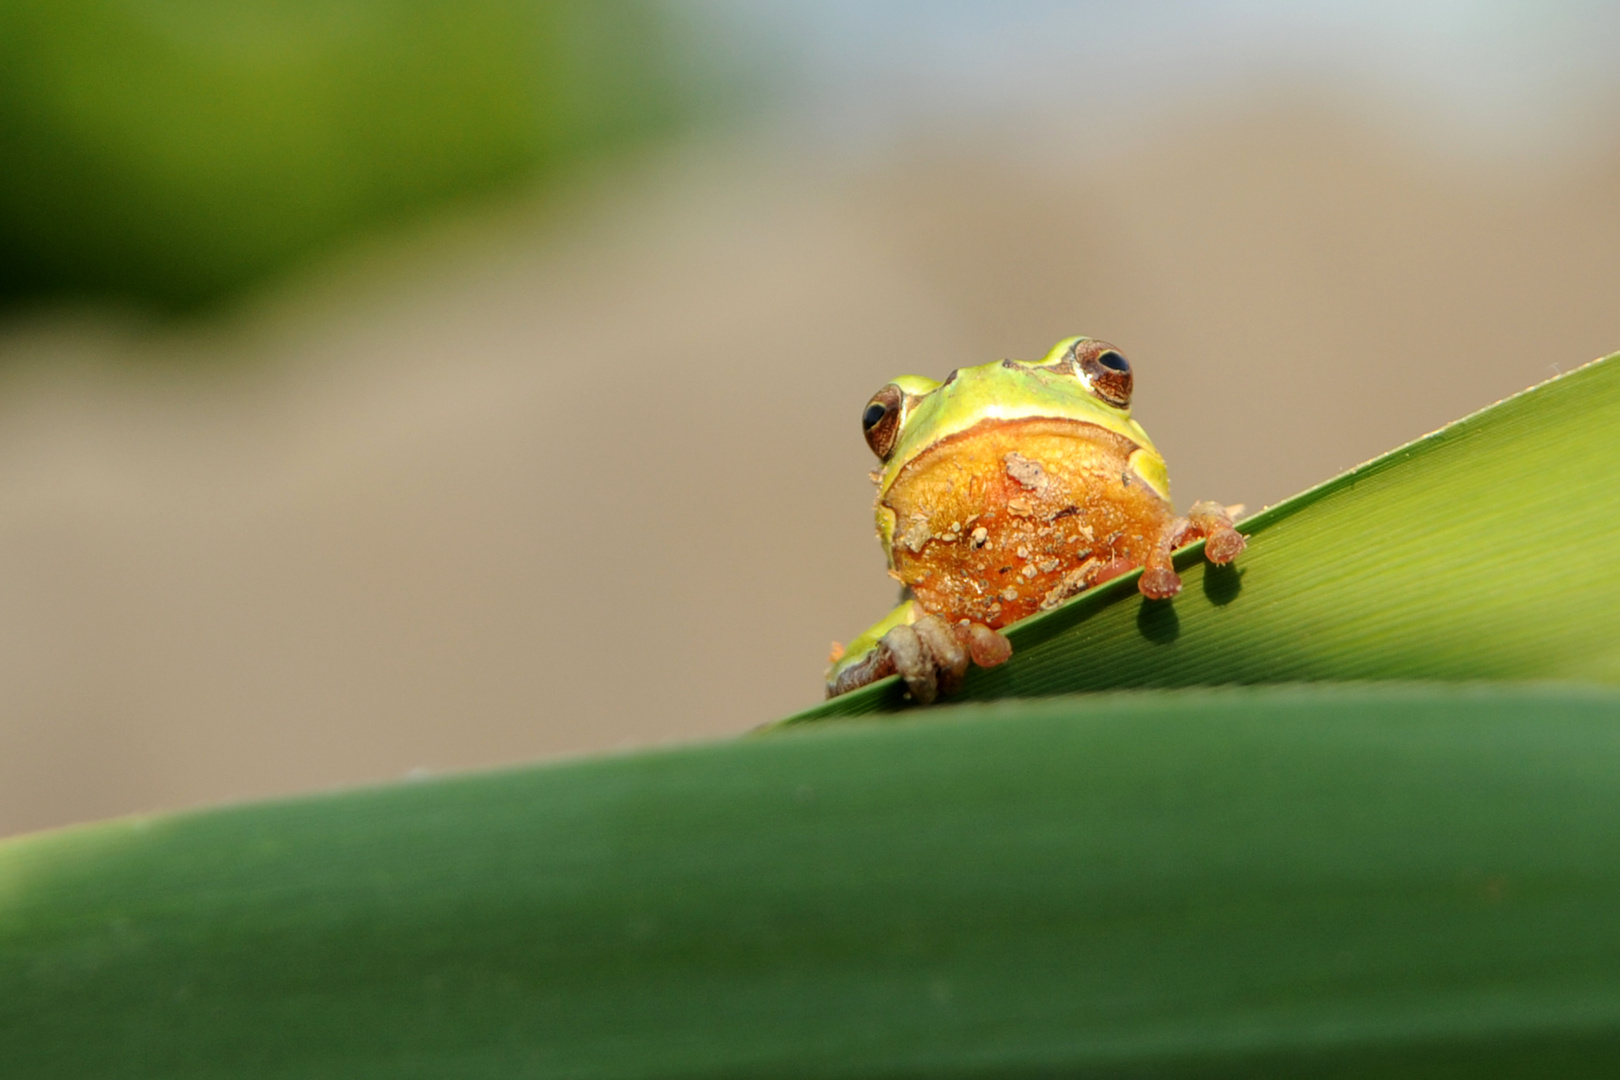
1080 379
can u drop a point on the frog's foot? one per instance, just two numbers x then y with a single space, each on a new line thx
930 654
1212 521
1222 544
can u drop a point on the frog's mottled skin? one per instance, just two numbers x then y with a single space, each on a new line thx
1005 490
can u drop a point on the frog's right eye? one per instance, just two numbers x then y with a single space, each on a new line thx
881 420
1105 370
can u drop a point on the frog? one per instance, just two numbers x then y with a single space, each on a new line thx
1002 492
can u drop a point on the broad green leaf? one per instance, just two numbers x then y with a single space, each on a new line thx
1476 552
1279 881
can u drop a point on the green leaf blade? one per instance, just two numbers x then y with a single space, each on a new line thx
1245 882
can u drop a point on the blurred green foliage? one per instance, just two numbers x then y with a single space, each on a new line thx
173 151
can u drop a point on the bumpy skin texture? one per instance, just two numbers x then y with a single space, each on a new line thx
1005 490
1013 517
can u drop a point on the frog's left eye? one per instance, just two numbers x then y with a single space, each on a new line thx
881 420
1105 370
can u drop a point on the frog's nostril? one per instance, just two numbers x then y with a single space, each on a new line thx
949 378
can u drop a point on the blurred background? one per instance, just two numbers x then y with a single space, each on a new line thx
391 386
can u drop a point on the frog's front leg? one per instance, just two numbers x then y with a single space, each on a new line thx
927 652
1222 544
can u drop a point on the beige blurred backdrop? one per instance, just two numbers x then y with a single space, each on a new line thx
585 472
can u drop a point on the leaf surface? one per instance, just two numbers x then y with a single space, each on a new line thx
1256 882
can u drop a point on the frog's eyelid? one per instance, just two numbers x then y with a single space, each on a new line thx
915 385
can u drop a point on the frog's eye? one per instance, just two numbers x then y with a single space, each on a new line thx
1105 370
881 420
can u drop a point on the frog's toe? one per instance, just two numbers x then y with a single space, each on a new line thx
987 647
875 665
949 653
930 657
1222 542
1159 583
912 662
1224 545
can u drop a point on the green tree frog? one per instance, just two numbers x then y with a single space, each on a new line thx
1002 492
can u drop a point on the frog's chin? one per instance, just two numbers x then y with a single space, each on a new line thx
981 451
1009 517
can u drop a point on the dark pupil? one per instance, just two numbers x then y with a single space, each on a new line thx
874 413
1113 362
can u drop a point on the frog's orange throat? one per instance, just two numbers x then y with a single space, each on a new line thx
1011 517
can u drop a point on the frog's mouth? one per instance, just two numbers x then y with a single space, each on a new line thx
1091 442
